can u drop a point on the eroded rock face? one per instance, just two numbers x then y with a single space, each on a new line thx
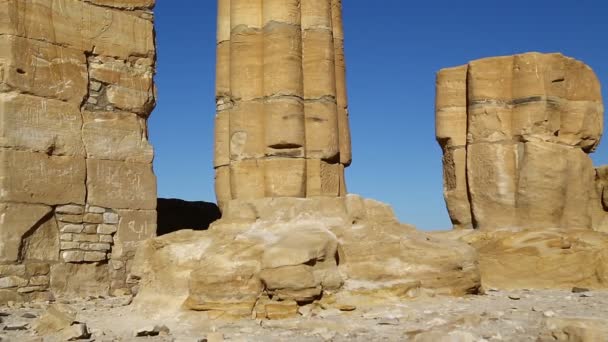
265 258
282 118
601 181
541 259
76 180
515 133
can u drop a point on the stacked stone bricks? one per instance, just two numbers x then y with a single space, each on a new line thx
282 120
516 132
76 183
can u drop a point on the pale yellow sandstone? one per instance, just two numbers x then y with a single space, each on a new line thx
247 138
116 136
41 178
318 63
134 227
455 188
130 84
492 187
127 4
120 185
529 122
222 139
284 127
15 221
247 179
31 123
41 69
285 177
280 99
79 25
451 107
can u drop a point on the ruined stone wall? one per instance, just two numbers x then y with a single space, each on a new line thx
516 132
76 182
282 119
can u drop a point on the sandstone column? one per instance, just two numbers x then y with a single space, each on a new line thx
77 189
516 132
282 118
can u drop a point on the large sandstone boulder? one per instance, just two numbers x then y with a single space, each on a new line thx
266 257
515 133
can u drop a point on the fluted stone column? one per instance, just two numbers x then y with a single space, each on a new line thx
282 115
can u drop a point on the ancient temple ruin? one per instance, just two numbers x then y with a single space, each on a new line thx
76 183
516 132
282 117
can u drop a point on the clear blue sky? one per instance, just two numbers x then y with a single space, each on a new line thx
393 49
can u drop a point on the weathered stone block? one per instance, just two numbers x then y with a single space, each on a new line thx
12 282
107 229
12 270
72 228
79 25
69 245
66 237
285 177
90 229
70 209
95 256
40 68
92 218
126 4
106 238
115 184
110 218
73 256
135 226
85 238
116 136
130 84
492 186
37 268
41 178
17 221
39 281
95 210
40 125
89 279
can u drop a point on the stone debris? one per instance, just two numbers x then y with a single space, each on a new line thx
579 290
152 331
16 326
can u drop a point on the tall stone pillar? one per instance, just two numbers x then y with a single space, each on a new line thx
282 115
77 190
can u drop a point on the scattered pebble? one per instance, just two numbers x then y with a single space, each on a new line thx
579 289
549 314
347 308
16 326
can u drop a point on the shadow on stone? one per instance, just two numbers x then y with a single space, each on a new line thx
176 214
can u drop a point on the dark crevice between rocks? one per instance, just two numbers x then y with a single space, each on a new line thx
176 214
